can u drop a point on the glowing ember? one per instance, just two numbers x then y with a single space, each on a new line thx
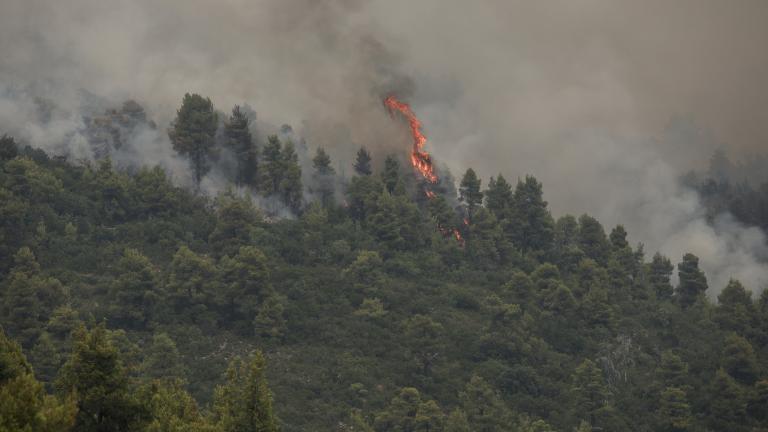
420 159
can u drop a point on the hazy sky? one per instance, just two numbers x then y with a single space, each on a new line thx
605 101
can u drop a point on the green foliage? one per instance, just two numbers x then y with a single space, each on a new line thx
97 378
693 283
323 177
660 270
244 402
193 131
469 193
24 405
134 290
526 324
240 142
739 359
363 162
8 148
391 174
674 411
590 394
532 226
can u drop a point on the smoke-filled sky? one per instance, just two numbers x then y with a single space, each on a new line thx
605 101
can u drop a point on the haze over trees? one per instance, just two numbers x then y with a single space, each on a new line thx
128 303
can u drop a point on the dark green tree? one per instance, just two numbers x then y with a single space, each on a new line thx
240 142
727 406
8 148
193 133
134 292
391 174
24 404
592 240
469 193
96 375
291 189
422 336
244 282
191 285
323 178
401 413
244 402
236 222
499 198
739 359
28 298
735 311
533 228
272 166
162 359
484 407
590 394
659 272
362 194
363 162
693 283
618 238
674 410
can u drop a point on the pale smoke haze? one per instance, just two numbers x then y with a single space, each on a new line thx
606 102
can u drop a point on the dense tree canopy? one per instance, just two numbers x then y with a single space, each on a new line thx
128 303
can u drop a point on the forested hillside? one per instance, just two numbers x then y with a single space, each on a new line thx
139 305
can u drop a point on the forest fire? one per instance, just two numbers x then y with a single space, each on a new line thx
420 159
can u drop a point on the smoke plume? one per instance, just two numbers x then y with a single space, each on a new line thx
606 102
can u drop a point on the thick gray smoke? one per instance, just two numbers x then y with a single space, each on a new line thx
606 102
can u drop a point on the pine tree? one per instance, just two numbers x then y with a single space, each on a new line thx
532 227
422 337
499 198
244 402
592 240
134 291
244 282
727 407
484 407
469 193
189 285
323 177
99 380
193 132
457 421
659 272
24 405
674 410
28 298
240 141
172 409
291 189
272 166
739 359
618 238
391 174
735 311
589 391
363 162
237 219
8 148
162 359
693 283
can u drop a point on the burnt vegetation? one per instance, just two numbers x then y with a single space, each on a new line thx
129 303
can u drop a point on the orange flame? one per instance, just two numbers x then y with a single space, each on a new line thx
420 159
